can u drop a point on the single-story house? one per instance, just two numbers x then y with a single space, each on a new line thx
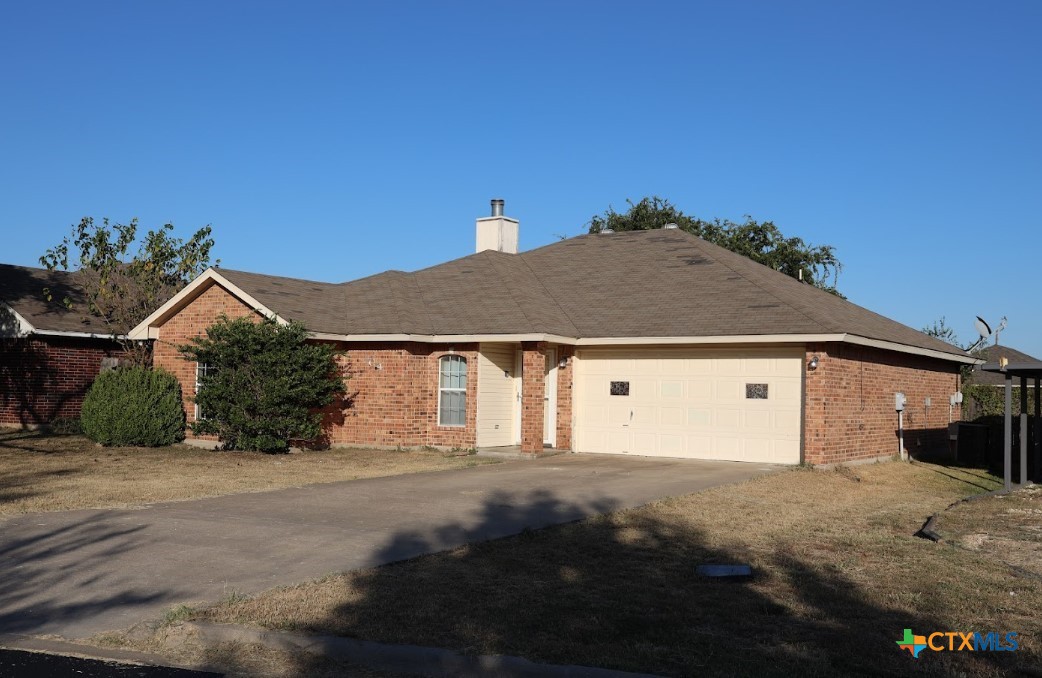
643 343
49 354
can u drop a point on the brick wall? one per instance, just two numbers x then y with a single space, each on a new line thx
849 406
393 396
45 378
533 390
192 321
565 378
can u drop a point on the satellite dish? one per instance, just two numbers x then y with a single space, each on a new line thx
984 330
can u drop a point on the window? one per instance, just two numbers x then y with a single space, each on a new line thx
756 391
202 370
452 391
620 388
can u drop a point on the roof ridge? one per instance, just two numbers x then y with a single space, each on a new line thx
549 294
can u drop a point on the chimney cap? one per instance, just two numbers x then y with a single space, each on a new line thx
497 206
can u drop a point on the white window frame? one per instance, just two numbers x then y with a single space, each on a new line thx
452 358
201 369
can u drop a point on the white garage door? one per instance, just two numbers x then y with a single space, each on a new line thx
740 405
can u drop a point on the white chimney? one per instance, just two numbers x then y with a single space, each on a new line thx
497 232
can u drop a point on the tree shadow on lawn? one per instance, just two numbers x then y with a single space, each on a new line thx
620 591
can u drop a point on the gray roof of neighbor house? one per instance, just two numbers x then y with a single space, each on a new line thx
22 289
663 283
992 354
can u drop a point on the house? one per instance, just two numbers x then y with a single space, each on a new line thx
992 354
49 354
645 343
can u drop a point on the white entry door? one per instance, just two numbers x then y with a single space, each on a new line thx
734 404
550 400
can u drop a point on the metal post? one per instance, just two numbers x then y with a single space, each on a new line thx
1023 430
901 435
1038 428
1007 442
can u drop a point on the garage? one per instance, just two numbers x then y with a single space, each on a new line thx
729 404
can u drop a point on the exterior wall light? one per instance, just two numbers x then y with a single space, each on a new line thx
813 364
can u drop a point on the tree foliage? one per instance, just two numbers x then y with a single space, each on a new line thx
122 287
942 331
264 383
761 241
134 406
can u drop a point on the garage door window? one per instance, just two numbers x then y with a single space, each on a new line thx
756 391
452 391
620 388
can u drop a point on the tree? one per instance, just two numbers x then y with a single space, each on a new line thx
263 384
123 288
762 242
940 330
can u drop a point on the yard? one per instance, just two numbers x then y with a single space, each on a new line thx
839 576
40 472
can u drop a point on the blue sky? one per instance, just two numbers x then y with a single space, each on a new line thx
334 140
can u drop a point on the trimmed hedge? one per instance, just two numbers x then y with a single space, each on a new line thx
134 406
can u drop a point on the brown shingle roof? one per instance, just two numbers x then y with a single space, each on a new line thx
664 283
992 354
22 288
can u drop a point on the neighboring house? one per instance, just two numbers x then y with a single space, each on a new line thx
992 354
49 354
646 343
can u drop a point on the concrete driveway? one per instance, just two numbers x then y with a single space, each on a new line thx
76 573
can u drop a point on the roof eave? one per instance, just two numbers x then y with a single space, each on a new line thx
146 329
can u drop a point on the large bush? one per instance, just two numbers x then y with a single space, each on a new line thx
264 384
134 406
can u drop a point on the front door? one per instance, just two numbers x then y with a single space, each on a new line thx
550 400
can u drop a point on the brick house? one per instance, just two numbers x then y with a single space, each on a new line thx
49 355
647 343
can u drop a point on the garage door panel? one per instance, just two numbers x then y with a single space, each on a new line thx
701 389
690 403
727 390
727 420
671 389
787 390
700 417
671 416
756 420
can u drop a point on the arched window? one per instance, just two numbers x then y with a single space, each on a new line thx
452 391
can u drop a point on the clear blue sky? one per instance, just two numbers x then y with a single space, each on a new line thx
334 140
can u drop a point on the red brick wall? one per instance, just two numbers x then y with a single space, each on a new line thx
45 378
190 322
393 396
565 378
533 390
849 403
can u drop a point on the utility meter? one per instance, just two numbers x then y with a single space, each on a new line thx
899 402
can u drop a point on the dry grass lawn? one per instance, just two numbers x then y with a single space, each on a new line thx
41 472
1004 527
839 575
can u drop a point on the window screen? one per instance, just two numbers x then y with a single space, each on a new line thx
452 391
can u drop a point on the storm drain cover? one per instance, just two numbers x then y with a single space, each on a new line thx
725 571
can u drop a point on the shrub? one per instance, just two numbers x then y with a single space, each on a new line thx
263 385
134 406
